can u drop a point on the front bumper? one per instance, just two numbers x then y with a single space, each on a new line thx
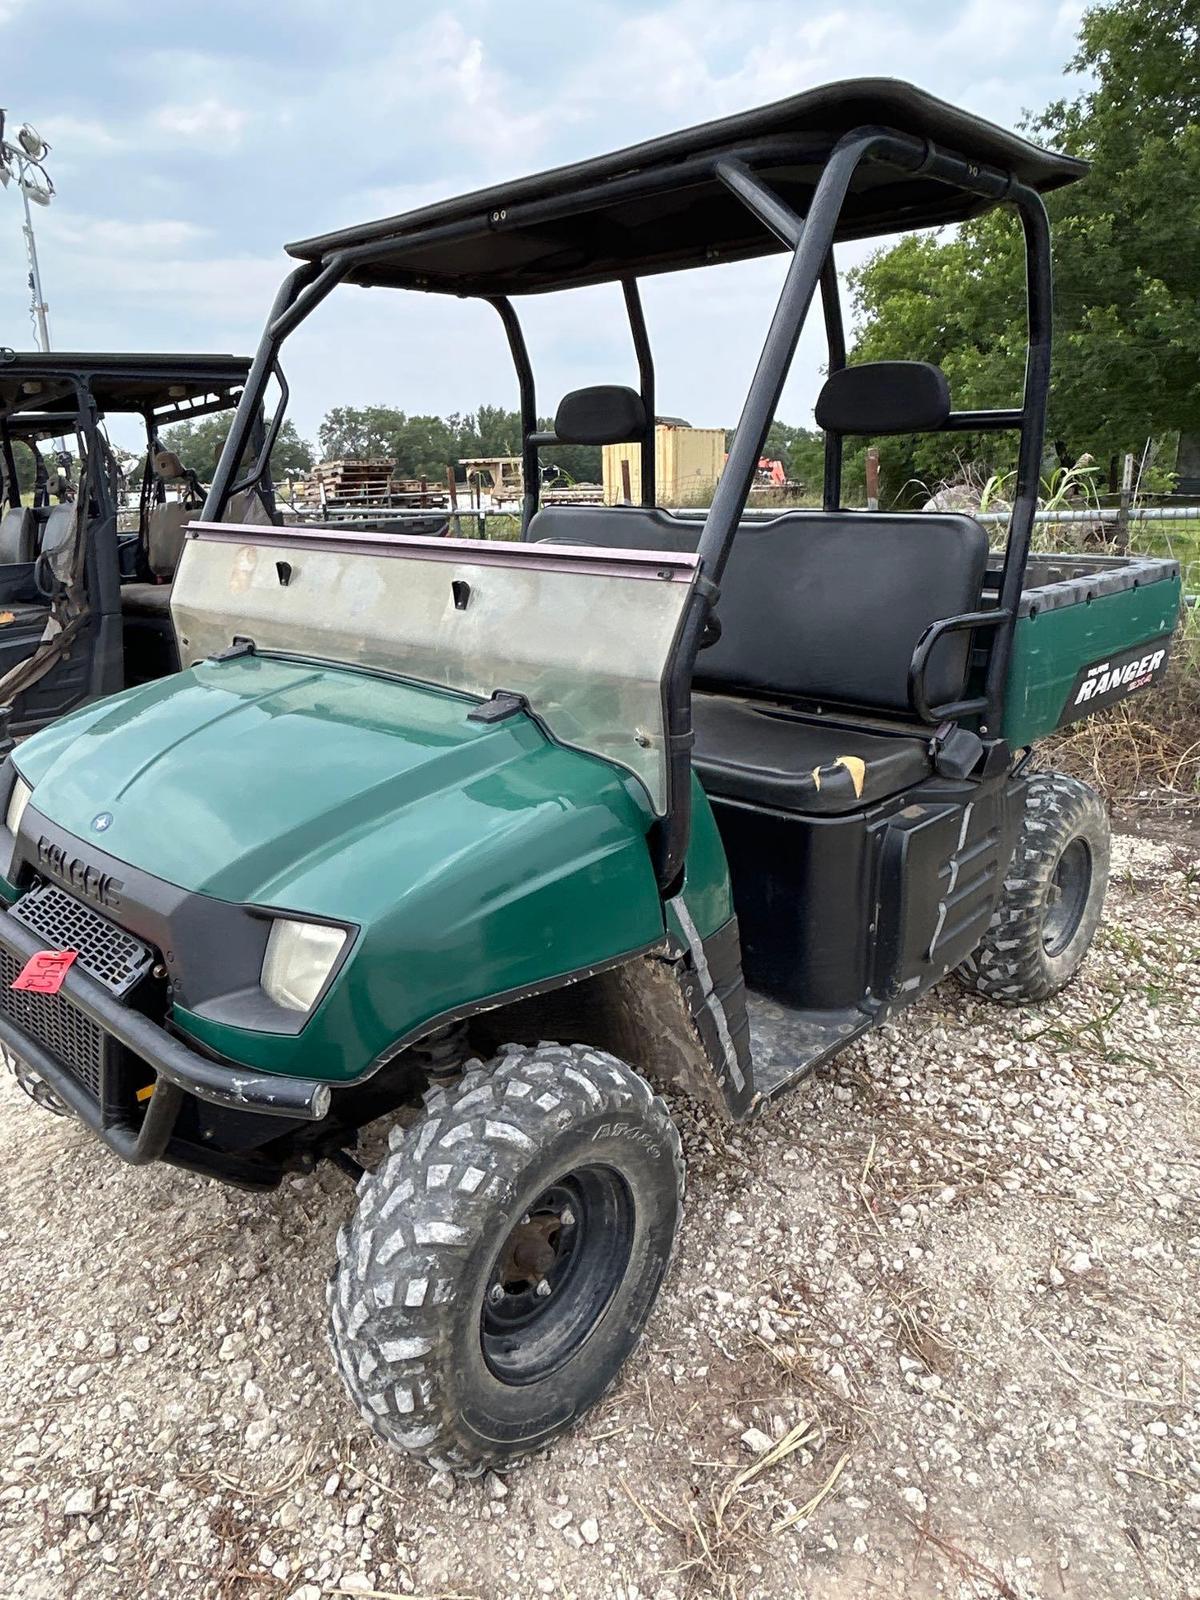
179 1070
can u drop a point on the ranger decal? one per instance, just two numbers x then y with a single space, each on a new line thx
1105 682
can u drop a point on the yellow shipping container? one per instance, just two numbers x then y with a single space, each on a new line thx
687 463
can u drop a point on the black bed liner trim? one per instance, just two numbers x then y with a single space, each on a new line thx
1054 582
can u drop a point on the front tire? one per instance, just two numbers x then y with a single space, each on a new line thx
504 1258
1053 895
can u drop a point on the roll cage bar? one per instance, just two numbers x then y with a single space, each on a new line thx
382 253
43 395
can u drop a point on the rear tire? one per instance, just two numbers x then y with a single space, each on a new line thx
1053 896
504 1258
40 1092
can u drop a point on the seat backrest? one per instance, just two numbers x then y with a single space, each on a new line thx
58 539
18 536
246 507
615 527
817 605
164 535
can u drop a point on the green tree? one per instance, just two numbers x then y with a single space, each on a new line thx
199 443
424 446
358 432
1127 325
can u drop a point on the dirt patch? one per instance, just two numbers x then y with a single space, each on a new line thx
932 1330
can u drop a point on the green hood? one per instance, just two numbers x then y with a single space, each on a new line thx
234 779
475 858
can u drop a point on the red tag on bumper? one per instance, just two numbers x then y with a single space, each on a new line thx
44 972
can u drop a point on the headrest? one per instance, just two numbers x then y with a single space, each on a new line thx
607 413
884 397
167 464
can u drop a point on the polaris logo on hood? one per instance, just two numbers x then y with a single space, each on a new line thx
79 875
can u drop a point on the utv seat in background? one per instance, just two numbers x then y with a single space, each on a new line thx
164 546
18 549
165 537
21 600
18 536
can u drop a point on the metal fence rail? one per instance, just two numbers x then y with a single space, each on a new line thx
1108 514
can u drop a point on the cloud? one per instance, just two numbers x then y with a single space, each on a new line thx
76 138
436 104
442 89
127 238
202 120
235 290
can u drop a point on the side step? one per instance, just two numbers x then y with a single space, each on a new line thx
786 1043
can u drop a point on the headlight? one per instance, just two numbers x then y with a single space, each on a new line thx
17 801
300 956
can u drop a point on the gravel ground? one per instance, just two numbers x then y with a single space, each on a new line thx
932 1330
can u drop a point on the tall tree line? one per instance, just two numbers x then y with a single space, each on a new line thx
1126 366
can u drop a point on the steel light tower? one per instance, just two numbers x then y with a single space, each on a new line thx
23 160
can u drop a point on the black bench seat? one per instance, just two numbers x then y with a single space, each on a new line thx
770 755
821 608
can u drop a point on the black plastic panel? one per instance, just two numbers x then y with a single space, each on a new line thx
870 908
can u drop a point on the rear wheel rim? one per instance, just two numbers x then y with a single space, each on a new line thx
1070 888
573 1244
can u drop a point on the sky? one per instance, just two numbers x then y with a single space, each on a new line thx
190 143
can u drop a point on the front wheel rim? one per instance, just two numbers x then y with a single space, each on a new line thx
1070 888
555 1275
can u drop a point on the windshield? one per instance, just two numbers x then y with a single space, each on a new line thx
584 635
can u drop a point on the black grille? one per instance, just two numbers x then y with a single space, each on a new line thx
56 1024
105 952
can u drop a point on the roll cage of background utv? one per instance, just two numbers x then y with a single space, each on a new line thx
848 161
87 613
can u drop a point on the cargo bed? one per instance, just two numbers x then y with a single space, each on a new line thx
1090 631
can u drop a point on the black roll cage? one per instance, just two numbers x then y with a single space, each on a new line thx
75 412
810 239
66 401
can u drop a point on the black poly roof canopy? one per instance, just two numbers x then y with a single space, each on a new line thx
695 221
33 381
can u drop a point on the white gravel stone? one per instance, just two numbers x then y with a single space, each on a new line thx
80 1503
1063 1414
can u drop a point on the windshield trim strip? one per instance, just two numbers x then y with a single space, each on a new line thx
658 566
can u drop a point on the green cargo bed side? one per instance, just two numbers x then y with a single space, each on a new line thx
1061 635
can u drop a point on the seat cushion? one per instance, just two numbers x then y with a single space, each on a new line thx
768 755
146 599
22 615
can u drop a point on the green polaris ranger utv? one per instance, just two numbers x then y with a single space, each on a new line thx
517 834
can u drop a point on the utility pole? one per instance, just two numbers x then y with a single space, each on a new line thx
41 311
22 160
